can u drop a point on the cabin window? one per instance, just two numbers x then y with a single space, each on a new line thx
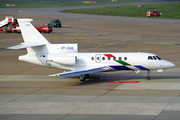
103 58
119 58
109 58
97 58
114 58
92 58
125 58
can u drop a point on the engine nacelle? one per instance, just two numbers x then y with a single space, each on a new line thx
65 60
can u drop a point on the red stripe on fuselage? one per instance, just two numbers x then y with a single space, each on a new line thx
109 55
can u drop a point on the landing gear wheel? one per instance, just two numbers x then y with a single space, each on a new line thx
148 78
84 77
148 75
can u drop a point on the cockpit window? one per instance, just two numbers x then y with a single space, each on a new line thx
154 58
150 58
158 57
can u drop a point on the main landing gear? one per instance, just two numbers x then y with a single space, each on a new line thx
84 77
148 75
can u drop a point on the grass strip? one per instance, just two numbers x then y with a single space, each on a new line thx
58 4
169 10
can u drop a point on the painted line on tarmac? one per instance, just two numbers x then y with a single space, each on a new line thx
66 79
123 82
139 80
10 39
38 79
157 79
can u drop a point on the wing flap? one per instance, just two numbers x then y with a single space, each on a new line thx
81 72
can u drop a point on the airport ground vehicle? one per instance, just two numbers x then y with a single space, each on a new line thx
9 25
153 13
55 23
46 28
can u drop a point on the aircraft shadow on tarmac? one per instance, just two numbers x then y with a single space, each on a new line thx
98 78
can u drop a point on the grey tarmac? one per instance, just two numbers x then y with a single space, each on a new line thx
27 92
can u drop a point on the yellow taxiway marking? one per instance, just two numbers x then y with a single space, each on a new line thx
163 43
10 39
36 79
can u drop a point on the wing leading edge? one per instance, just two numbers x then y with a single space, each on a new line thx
82 72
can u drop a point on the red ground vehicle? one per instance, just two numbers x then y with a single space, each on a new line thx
15 26
153 13
47 28
9 24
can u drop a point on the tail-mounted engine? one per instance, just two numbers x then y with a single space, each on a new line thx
65 60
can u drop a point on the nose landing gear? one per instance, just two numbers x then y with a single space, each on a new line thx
148 75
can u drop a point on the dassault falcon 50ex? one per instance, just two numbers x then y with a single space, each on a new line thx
67 57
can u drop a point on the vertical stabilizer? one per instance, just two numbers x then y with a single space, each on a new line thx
30 33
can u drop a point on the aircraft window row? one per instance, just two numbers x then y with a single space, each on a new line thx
108 58
154 58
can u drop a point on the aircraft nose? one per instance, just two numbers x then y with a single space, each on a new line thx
168 64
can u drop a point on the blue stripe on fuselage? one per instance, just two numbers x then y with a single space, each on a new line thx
120 67
140 67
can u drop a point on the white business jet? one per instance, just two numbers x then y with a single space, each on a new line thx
66 56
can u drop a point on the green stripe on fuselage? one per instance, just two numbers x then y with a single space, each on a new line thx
122 62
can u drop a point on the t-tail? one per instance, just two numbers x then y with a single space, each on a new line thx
38 47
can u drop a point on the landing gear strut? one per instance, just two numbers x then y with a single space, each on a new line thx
148 75
84 77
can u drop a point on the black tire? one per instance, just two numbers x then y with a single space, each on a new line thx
82 78
148 78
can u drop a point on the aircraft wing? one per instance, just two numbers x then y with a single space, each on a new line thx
82 71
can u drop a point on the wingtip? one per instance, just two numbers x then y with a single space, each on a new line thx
25 20
56 75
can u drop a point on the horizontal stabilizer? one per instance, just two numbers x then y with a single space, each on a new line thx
26 45
81 72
